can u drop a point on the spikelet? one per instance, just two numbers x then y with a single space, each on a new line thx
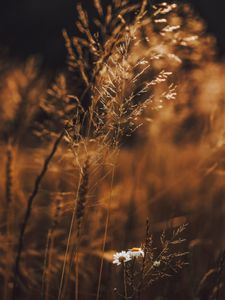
98 7
82 195
72 65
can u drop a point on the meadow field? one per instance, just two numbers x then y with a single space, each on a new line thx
113 174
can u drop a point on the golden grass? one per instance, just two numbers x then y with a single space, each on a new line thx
134 131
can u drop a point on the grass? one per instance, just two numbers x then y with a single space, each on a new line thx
133 131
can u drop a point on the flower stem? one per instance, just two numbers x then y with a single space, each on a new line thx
125 281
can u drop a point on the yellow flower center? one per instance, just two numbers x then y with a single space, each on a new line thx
122 258
135 249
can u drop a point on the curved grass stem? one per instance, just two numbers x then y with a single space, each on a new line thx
33 195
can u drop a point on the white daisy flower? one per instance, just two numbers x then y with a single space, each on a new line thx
121 257
156 264
136 252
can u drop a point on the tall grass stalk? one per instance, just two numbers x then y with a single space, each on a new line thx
109 202
64 275
8 233
46 277
33 195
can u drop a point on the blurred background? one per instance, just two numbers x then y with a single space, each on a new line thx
172 169
33 27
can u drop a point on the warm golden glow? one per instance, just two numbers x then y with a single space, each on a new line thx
136 131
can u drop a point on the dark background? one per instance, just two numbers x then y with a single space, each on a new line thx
29 27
